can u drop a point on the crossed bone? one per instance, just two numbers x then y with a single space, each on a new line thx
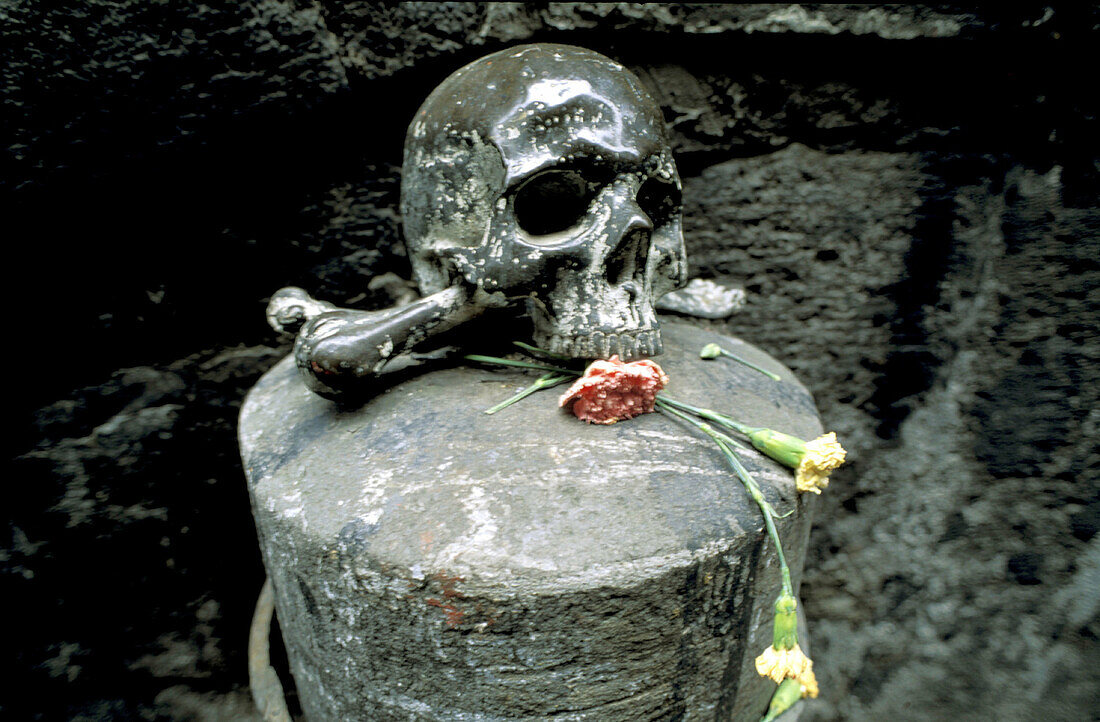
343 353
333 368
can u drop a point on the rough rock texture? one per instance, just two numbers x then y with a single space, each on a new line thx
907 194
431 562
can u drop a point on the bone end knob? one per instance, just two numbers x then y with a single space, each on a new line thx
291 307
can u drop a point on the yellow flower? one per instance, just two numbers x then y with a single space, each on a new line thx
809 684
785 659
781 664
811 460
823 455
778 664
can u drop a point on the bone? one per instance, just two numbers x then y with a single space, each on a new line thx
704 299
342 353
291 307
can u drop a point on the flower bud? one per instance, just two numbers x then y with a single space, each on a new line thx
711 351
788 692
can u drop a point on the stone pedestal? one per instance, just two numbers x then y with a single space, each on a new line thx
431 562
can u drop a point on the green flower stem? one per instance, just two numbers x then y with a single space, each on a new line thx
544 382
520 364
751 365
713 350
678 406
784 448
541 351
724 443
714 416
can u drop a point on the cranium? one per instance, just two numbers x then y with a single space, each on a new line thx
541 173
544 171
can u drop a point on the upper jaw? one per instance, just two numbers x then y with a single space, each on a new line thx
628 344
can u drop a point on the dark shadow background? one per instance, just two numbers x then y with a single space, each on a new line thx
907 193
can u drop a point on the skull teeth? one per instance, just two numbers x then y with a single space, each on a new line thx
627 345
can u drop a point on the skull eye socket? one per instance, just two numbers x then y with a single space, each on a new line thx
552 202
659 199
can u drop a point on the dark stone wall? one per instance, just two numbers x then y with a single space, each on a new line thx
907 193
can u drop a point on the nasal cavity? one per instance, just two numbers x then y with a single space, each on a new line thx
627 262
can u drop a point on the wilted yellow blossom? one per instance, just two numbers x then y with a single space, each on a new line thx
823 455
785 659
781 664
811 460
809 684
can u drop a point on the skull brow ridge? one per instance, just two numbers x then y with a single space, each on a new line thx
582 156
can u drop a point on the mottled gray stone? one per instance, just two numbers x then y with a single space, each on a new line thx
435 563
703 299
510 20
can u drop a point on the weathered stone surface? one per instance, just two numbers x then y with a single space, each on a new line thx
435 563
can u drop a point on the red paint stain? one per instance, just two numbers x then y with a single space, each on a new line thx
446 585
453 614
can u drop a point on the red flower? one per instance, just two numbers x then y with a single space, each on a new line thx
612 390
